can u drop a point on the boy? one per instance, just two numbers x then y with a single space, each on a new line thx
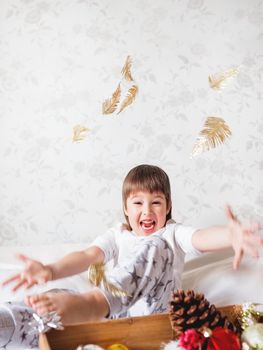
148 254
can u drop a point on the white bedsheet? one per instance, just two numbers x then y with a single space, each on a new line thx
211 274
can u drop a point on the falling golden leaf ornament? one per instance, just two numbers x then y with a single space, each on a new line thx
127 83
96 275
129 98
79 133
214 133
220 80
110 105
126 70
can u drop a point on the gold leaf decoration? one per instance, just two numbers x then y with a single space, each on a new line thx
96 275
110 105
219 80
214 133
126 70
79 133
132 92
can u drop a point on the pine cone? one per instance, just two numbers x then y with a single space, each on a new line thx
188 309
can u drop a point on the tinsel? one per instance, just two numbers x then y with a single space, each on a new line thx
252 337
42 324
97 276
249 318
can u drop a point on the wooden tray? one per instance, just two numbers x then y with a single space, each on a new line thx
137 333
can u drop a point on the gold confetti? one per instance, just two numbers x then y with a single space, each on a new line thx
79 133
214 133
96 275
110 105
132 92
126 70
220 80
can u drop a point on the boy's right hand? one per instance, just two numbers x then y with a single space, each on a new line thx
34 273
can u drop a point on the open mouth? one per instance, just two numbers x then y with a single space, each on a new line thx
147 225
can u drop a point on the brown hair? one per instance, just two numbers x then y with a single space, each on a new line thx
149 178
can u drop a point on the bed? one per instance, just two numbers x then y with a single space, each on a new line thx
211 274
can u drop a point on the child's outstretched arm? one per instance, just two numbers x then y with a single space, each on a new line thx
236 235
36 273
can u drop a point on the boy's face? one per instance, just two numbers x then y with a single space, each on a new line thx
146 212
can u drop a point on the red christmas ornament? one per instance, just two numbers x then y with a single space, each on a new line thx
191 340
223 339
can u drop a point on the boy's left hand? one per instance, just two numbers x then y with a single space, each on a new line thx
243 238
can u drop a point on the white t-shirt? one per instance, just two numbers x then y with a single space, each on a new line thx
121 246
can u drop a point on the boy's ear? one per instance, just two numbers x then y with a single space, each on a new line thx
125 211
169 206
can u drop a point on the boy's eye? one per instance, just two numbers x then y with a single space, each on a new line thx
138 203
156 202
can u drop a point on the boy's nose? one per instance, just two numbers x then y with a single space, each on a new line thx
146 209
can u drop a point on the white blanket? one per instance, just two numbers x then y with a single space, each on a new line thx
9 266
211 274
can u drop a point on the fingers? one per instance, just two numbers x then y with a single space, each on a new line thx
22 280
254 240
10 279
23 258
18 278
30 285
18 285
252 228
26 282
252 244
229 213
237 259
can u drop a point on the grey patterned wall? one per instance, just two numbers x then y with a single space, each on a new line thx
59 60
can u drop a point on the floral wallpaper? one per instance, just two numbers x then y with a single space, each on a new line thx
60 60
